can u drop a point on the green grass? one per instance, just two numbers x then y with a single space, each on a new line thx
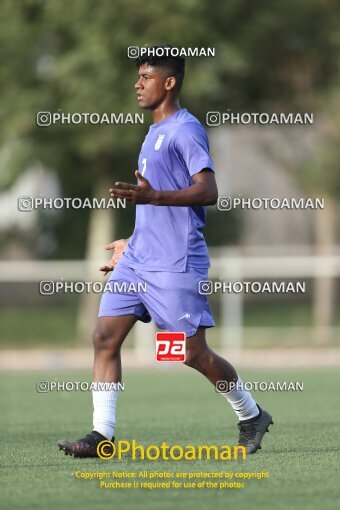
30 326
301 453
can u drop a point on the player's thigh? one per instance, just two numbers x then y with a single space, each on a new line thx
110 332
174 303
121 296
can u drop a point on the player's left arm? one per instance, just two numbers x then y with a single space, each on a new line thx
203 191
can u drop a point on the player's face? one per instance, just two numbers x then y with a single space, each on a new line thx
151 87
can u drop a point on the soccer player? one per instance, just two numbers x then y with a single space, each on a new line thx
168 253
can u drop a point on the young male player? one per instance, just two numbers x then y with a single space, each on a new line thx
168 252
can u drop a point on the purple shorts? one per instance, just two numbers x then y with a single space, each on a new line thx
171 300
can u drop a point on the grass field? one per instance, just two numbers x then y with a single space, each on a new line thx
301 453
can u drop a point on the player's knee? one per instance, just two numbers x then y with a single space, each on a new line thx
197 357
105 340
192 357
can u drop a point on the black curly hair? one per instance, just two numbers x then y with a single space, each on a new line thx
172 65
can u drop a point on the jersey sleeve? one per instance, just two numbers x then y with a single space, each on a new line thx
192 146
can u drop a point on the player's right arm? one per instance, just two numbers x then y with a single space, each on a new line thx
118 247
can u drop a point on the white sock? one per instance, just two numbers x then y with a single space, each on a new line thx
242 402
104 411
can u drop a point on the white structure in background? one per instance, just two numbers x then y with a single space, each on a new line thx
36 181
229 266
256 161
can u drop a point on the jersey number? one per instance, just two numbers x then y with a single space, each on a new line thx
144 166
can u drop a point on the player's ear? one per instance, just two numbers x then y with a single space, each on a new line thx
170 83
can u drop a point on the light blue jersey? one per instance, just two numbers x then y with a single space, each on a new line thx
169 238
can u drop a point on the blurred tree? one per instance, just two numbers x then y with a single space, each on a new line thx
72 57
284 56
320 177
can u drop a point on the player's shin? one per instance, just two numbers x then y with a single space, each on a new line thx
241 401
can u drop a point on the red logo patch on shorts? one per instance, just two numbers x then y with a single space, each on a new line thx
170 346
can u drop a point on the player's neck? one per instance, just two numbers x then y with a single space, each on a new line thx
164 110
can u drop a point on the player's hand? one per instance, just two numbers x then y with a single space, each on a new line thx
142 193
118 247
